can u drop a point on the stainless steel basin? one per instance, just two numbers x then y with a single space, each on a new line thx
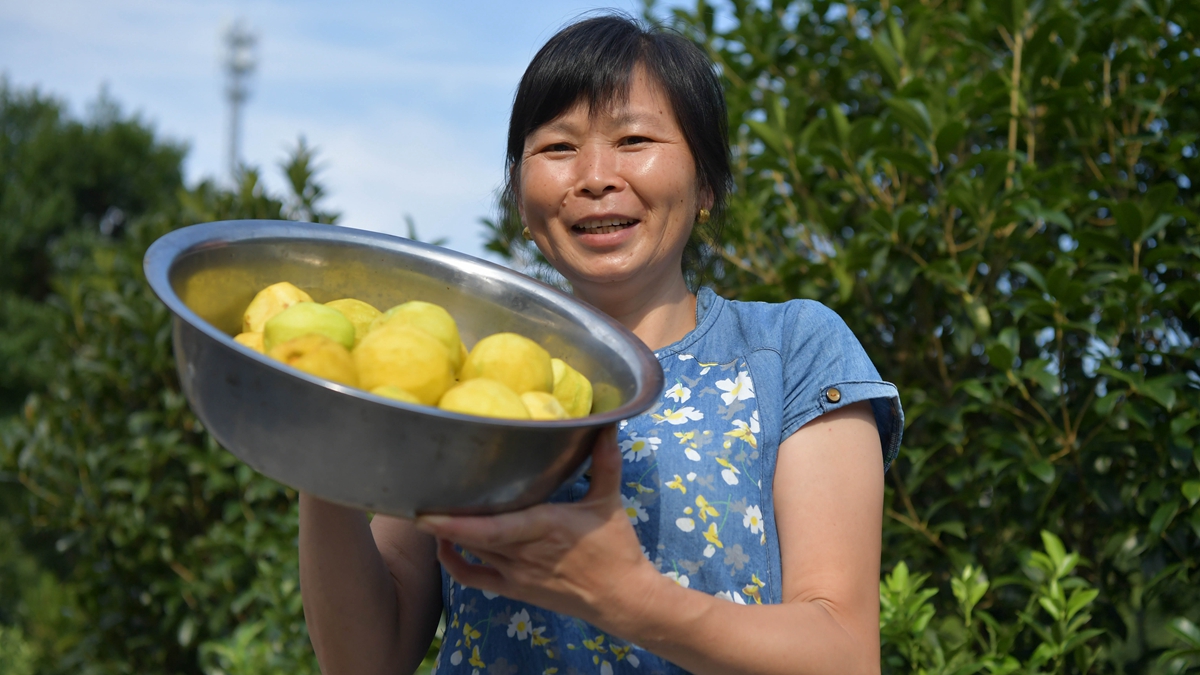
349 446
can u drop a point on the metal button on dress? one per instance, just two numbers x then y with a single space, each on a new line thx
833 395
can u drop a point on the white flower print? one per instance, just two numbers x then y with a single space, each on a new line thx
753 520
732 596
622 424
519 625
692 455
730 473
692 475
605 668
686 357
679 393
738 389
754 422
709 551
633 509
681 579
490 595
681 416
639 447
685 524
456 658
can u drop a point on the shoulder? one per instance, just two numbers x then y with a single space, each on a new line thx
797 329
824 366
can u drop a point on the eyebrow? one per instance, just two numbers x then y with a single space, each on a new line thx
621 119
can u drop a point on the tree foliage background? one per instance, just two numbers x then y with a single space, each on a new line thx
997 197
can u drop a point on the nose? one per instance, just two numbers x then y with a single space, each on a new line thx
598 170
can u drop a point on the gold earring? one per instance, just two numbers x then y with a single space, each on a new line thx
703 216
527 234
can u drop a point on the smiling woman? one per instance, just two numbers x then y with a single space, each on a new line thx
735 527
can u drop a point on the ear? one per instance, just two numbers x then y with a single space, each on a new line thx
706 198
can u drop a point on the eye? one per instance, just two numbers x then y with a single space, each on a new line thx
557 147
634 140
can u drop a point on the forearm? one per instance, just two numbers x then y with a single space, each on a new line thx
351 598
708 635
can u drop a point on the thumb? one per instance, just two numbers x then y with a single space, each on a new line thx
606 466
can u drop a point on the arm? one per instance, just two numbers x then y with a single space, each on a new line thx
828 503
371 591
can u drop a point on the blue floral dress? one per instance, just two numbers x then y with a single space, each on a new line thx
697 481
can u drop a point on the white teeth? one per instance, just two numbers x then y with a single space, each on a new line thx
604 226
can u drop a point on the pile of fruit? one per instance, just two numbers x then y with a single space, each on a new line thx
413 353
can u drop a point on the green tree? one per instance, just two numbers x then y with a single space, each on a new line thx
57 176
137 544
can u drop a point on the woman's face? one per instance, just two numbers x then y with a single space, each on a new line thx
611 197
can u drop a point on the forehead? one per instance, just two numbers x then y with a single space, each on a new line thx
642 101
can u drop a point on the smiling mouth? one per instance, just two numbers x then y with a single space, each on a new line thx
605 226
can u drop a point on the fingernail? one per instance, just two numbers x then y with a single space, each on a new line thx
431 523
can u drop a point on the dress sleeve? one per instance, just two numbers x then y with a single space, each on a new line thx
825 368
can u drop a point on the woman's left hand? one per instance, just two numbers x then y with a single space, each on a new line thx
582 559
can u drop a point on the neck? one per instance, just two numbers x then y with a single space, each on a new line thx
659 312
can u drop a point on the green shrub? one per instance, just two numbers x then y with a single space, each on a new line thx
997 197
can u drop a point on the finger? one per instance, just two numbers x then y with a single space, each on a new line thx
606 467
474 576
488 532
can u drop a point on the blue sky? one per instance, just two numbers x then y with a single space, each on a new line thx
407 102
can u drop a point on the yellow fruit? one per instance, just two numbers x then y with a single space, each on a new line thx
317 355
428 317
270 301
513 360
486 398
605 397
392 391
303 318
572 389
361 314
252 340
408 358
542 406
462 356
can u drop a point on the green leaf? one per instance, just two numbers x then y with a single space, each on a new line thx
1054 548
1191 491
1161 390
1163 516
1031 273
841 126
1185 630
976 390
912 115
1129 219
1080 599
1043 471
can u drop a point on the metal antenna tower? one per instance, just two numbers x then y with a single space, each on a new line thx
239 64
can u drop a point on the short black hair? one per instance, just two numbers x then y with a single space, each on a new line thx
593 60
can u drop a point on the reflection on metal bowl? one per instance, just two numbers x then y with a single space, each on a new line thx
349 446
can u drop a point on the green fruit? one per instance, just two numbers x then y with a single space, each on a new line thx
572 389
304 318
269 302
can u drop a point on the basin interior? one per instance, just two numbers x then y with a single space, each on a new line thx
218 280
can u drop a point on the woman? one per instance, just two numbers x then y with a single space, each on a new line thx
733 528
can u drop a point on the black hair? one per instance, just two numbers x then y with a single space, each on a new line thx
593 61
